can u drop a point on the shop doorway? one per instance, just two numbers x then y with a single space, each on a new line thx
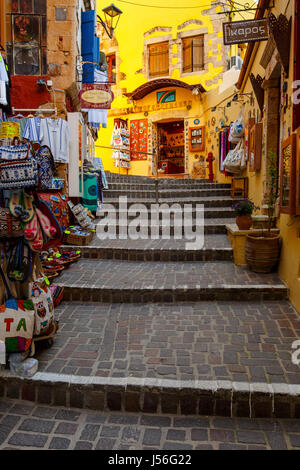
170 148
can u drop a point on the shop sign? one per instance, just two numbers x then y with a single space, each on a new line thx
96 96
246 31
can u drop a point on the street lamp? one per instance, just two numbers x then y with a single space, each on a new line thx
112 15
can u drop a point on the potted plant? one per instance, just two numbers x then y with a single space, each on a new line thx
263 249
243 210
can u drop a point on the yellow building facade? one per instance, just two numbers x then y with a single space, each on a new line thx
163 61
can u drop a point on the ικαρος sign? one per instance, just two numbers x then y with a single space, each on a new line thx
246 31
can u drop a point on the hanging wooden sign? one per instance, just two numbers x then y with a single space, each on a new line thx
96 96
237 32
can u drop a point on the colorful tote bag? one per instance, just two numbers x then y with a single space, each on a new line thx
43 308
16 321
46 163
19 174
59 207
15 151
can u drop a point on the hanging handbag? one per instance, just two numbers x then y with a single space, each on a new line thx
235 160
19 151
45 160
57 238
43 308
16 321
19 174
10 226
59 206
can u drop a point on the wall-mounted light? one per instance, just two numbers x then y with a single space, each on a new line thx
112 15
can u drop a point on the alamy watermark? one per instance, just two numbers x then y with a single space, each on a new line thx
296 94
296 353
153 221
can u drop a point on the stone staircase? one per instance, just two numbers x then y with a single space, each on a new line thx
152 325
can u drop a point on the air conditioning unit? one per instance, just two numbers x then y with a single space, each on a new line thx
237 62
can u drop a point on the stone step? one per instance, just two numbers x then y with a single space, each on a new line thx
225 359
209 211
168 229
151 186
167 194
216 247
222 398
141 281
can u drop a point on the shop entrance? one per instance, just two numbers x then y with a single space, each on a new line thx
170 148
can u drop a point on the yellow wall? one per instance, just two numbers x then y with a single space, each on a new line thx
137 27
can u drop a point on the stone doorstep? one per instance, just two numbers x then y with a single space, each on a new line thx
177 294
212 398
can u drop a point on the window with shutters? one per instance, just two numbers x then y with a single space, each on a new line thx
193 54
158 59
26 26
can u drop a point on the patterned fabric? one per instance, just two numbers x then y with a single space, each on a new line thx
16 321
90 191
59 206
19 175
14 152
9 226
43 308
46 166
138 139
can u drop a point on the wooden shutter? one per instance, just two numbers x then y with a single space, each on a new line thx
159 60
193 54
90 46
187 55
198 56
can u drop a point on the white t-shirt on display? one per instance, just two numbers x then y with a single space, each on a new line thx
56 134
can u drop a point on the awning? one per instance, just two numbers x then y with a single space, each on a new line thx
154 85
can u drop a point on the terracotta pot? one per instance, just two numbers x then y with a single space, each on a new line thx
244 222
262 252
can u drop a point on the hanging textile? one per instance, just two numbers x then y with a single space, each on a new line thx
90 191
138 139
56 134
32 129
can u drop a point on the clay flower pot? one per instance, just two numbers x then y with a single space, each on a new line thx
244 222
263 252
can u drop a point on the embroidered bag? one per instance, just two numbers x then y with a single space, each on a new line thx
59 207
45 209
43 308
19 174
19 151
46 163
16 321
10 226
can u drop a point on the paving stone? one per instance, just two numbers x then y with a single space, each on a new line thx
110 431
68 415
59 443
250 437
152 436
83 445
27 440
66 428
175 435
199 435
105 444
37 425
